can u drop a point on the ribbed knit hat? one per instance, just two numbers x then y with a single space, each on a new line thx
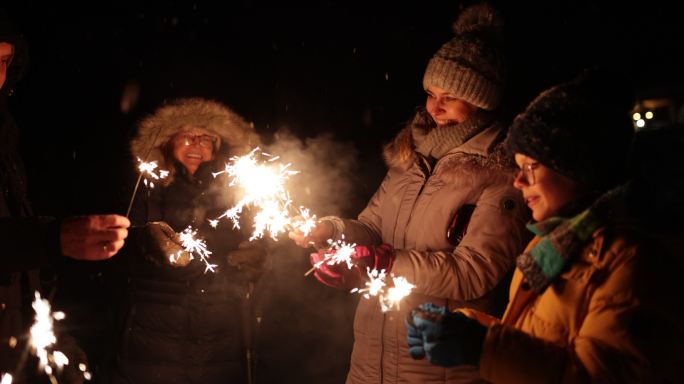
580 129
471 64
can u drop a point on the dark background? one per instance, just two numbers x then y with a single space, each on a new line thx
352 70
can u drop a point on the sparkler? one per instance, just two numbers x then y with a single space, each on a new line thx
42 336
192 246
262 184
43 339
389 298
338 252
148 169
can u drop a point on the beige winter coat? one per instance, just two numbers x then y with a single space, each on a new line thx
615 316
412 211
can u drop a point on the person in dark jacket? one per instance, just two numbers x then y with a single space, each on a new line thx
30 242
592 298
181 323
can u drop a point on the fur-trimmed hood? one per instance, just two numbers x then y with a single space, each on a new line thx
154 131
485 149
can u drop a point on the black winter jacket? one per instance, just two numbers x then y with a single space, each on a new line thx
180 324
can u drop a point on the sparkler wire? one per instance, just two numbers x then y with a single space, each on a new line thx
137 183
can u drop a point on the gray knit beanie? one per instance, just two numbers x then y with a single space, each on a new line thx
471 65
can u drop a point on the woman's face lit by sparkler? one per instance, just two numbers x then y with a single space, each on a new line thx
446 108
193 147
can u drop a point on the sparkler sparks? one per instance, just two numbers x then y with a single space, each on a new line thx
192 246
338 252
146 168
42 336
43 339
303 222
262 185
149 169
389 298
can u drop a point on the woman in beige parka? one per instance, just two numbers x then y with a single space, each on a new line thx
446 210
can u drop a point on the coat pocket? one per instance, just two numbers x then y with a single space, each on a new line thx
458 226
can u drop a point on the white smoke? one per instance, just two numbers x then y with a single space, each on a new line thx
328 171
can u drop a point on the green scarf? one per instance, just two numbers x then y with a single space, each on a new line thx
563 238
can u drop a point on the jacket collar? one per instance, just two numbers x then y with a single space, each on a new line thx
480 144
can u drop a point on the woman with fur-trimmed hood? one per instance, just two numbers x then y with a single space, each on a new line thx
447 213
180 323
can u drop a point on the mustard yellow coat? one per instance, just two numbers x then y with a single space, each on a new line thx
615 316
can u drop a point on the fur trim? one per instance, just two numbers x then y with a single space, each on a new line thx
495 167
400 152
154 131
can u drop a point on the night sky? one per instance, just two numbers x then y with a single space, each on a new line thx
349 70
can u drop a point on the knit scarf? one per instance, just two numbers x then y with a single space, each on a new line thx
435 141
562 239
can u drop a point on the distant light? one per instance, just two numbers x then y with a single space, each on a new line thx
636 116
640 123
649 115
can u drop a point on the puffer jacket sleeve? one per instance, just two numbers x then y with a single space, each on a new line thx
367 229
604 350
495 236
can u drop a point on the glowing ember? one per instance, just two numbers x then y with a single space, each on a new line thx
194 245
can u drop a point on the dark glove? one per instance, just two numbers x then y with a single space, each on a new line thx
163 244
447 338
364 258
248 258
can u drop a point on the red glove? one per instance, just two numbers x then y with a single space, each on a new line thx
364 258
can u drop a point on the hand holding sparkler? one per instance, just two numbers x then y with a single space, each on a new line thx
95 237
164 245
318 234
345 265
365 269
